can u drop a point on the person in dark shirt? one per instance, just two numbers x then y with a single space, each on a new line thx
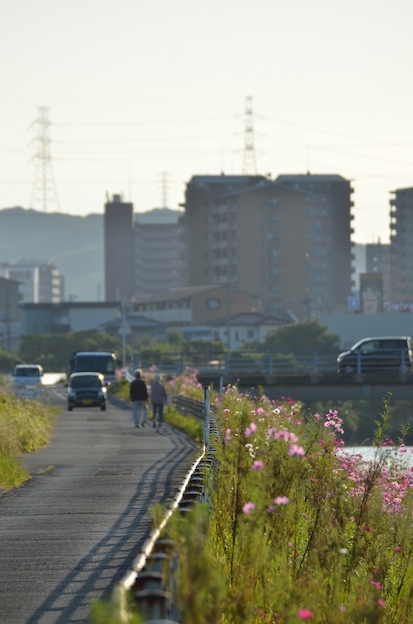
158 399
138 396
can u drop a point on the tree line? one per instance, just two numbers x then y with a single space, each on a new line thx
53 351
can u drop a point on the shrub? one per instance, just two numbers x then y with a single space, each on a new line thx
299 528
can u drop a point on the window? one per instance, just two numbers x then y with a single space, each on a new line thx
213 304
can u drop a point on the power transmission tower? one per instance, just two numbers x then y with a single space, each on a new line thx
44 191
249 164
165 183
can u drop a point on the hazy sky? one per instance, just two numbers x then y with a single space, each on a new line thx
143 95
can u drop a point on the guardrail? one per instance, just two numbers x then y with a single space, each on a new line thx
231 363
150 583
186 405
253 362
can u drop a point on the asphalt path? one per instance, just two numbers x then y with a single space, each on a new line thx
71 532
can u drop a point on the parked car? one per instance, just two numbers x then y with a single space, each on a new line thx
27 375
380 353
86 390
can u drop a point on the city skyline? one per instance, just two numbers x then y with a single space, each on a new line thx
141 98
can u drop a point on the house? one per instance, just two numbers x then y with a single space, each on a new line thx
193 305
247 327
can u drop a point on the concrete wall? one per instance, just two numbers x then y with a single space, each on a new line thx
353 327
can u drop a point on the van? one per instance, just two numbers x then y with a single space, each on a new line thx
27 375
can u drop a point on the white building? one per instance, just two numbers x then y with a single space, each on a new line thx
39 282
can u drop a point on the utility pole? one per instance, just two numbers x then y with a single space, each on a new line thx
44 191
249 163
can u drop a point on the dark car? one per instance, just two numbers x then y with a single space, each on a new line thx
380 353
86 390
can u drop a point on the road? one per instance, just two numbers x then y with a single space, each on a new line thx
73 530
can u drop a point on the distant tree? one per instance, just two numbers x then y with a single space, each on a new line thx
175 337
53 351
8 360
302 337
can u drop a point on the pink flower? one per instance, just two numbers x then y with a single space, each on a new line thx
305 614
248 508
381 602
258 465
376 584
295 451
227 436
281 500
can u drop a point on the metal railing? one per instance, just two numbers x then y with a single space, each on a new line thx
240 362
150 583
253 362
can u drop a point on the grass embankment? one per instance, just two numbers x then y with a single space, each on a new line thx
25 426
191 426
298 529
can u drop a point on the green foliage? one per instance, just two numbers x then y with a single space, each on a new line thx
297 531
108 613
8 360
201 584
175 337
302 337
193 427
25 426
53 351
12 473
360 419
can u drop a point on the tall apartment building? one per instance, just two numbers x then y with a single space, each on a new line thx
287 241
201 192
401 255
159 244
119 258
329 245
39 282
251 236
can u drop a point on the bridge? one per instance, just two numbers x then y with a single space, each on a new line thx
319 387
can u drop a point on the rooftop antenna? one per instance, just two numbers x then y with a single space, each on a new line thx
249 163
44 191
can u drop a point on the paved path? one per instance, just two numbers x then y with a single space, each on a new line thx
72 531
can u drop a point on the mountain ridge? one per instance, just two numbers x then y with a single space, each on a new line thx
74 243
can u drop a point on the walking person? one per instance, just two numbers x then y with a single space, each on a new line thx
159 398
138 396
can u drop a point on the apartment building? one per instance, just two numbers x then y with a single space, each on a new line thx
39 282
159 247
401 255
118 249
285 241
329 246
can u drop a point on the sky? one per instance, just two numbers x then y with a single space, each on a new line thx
139 96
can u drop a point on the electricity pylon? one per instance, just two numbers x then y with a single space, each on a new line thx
249 163
44 191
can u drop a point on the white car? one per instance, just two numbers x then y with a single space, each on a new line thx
28 375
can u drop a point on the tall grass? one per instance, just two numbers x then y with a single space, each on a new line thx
298 529
25 426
